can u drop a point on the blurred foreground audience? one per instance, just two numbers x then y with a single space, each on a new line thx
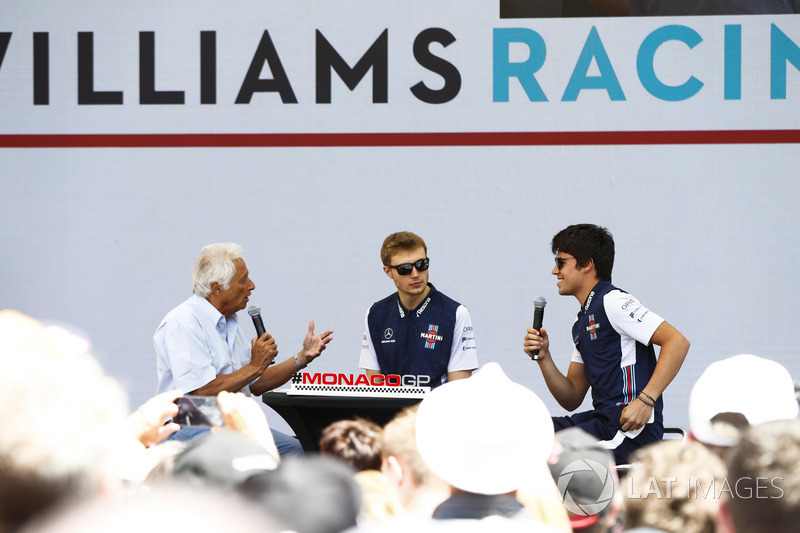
159 510
736 393
69 440
312 494
223 461
379 501
356 442
64 421
487 437
587 481
472 456
674 486
418 489
765 479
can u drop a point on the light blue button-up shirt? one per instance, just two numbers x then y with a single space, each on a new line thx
195 343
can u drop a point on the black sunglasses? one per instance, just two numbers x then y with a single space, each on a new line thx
406 268
560 261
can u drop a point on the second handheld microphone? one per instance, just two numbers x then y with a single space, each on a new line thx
538 316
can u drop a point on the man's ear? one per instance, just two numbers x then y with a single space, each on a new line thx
388 271
215 287
392 469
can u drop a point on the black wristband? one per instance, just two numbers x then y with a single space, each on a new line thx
651 398
645 401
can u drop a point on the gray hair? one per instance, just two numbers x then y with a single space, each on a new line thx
216 263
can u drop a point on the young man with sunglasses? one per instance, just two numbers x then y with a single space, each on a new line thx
417 331
613 352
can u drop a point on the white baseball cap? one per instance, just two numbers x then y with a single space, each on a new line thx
759 389
484 434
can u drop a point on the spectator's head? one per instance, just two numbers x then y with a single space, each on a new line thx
586 477
765 480
356 442
398 440
587 242
220 276
62 420
312 494
675 486
485 434
222 460
402 241
738 392
420 491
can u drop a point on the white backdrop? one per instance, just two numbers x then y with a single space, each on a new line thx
104 238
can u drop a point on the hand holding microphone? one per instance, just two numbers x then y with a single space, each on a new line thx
538 317
255 313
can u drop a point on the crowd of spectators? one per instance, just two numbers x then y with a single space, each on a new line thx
478 453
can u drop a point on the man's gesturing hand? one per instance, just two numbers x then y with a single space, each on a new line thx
313 345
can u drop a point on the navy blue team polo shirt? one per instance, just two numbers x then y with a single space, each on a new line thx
611 335
419 341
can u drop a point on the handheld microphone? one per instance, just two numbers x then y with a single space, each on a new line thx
538 316
255 314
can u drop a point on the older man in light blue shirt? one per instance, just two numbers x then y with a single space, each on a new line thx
202 350
195 343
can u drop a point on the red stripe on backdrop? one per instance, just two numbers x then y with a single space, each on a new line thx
297 140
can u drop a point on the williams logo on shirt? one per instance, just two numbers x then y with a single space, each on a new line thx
431 336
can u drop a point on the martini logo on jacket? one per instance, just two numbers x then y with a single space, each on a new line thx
431 336
592 328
